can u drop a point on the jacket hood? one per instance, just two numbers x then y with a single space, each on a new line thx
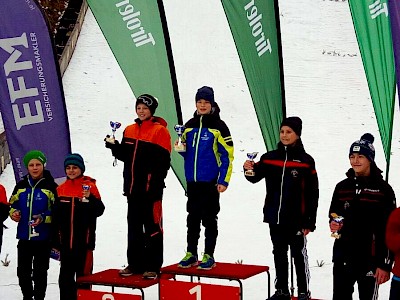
46 175
297 147
215 110
375 172
153 119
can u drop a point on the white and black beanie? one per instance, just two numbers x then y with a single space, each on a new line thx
150 101
364 146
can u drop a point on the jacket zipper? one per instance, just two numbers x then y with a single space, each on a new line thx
283 175
197 149
71 238
30 203
133 163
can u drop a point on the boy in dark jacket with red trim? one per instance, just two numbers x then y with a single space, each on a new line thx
365 201
290 204
145 150
76 211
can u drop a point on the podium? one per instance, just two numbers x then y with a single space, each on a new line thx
229 271
112 278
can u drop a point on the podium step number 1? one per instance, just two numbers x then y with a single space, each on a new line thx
173 290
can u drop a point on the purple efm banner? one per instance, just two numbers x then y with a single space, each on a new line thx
394 10
32 100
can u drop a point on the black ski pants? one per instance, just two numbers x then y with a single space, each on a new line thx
33 263
283 236
74 263
345 275
145 237
1 235
395 288
202 207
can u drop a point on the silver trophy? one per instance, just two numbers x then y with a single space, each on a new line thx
339 220
33 231
251 156
114 127
180 146
85 187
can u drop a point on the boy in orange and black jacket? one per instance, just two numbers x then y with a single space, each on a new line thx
145 150
75 214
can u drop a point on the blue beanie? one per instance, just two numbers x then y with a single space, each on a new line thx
76 160
364 146
206 93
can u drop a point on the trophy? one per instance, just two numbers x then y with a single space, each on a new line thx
85 188
251 156
180 146
33 232
114 127
339 220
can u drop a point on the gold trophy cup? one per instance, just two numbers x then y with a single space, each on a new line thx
339 220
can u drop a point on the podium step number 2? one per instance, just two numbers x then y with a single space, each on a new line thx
173 290
95 295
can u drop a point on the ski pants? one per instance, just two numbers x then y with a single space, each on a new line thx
202 207
74 263
282 237
345 276
1 235
145 236
33 263
395 288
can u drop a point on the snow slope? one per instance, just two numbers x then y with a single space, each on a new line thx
325 86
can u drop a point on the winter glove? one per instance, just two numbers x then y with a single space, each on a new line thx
110 142
157 211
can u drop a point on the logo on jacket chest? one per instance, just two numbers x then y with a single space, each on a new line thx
294 173
38 197
205 136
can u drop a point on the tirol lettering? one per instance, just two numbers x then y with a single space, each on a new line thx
20 95
133 23
377 8
262 44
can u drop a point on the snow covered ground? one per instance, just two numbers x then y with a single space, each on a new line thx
325 86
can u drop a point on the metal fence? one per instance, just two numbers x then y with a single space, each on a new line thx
4 152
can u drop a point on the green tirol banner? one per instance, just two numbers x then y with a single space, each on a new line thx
255 29
137 34
372 26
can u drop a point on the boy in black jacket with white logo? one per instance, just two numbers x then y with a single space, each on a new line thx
365 201
290 204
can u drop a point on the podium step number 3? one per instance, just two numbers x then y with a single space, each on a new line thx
94 295
173 290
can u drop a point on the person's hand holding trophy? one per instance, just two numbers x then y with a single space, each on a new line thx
36 220
249 164
180 145
335 225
